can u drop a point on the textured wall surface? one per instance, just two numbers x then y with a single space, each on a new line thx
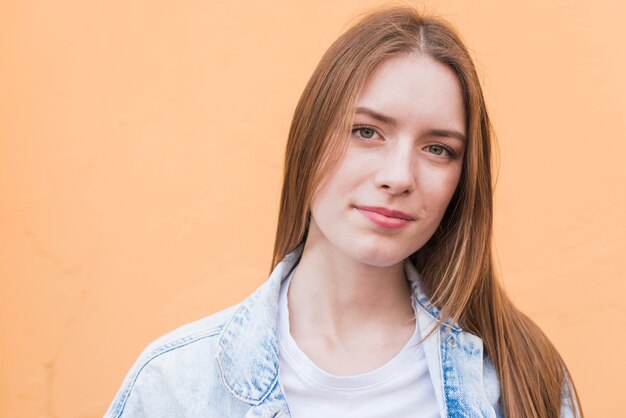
141 150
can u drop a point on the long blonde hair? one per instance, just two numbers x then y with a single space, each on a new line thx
456 264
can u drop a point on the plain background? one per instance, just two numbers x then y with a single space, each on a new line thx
141 154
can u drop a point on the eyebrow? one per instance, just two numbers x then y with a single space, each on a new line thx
451 133
378 116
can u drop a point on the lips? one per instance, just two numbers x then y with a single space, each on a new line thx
390 213
385 218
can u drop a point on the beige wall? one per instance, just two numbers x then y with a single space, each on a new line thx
140 165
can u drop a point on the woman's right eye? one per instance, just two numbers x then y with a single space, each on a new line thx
364 132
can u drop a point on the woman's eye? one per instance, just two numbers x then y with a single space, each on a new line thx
439 150
364 132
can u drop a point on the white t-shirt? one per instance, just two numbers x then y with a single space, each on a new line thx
400 388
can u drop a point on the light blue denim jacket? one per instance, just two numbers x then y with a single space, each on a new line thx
226 365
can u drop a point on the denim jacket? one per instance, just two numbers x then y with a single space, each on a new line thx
226 365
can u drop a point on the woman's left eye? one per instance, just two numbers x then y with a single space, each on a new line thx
440 150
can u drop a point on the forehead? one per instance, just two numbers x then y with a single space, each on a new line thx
415 88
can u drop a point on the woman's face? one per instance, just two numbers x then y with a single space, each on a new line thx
405 154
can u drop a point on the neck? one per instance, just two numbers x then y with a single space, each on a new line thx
348 295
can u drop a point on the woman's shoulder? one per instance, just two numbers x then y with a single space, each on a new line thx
189 333
201 332
184 357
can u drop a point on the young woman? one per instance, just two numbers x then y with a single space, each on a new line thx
382 300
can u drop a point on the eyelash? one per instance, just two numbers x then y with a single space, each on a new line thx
449 150
355 129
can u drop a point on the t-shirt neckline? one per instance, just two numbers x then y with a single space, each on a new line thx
309 370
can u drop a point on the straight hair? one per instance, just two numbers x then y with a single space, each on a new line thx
456 264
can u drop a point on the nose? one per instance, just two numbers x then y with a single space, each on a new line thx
396 173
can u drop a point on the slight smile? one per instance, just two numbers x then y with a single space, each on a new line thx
386 218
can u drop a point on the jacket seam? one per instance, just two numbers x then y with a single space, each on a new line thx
178 343
230 320
441 352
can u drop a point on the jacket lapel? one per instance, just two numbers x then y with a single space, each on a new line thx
247 354
455 358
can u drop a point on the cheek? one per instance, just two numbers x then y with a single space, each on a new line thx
331 194
439 187
340 185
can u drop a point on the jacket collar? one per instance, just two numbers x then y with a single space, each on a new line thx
247 353
248 345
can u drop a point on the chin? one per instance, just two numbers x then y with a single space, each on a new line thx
377 255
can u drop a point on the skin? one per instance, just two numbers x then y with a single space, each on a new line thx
349 301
